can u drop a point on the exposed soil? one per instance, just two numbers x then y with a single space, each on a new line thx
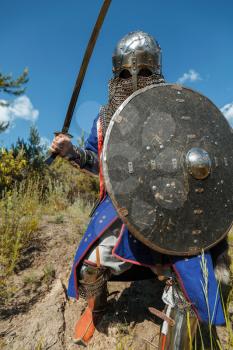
39 315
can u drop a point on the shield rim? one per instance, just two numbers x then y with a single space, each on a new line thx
108 185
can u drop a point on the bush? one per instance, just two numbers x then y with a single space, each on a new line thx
11 168
78 183
19 219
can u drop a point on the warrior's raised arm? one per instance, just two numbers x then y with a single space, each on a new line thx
86 158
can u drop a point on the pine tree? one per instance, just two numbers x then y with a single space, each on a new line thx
11 86
33 151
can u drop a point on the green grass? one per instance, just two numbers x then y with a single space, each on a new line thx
59 219
49 274
31 279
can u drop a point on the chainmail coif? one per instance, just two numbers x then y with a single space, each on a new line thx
118 90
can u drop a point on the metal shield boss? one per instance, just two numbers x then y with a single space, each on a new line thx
168 167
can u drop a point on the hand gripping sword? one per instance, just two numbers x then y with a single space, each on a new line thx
81 74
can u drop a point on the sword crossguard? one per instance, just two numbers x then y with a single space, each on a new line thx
56 133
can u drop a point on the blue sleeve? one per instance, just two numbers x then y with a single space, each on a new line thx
91 143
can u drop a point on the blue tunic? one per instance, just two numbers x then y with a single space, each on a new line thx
188 270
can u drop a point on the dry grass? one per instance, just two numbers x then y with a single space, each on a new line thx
21 210
79 212
209 331
19 219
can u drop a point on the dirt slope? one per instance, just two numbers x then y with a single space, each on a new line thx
40 316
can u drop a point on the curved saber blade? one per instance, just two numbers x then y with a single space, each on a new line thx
82 72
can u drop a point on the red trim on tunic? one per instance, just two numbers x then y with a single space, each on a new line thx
123 259
100 148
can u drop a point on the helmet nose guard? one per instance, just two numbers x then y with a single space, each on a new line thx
137 52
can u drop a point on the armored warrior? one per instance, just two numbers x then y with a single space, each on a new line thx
108 250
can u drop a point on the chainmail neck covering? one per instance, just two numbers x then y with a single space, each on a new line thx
118 90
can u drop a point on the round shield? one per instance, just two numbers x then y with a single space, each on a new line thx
168 165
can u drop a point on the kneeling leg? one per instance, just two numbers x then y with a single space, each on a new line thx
93 287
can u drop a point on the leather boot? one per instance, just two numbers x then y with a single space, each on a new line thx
96 294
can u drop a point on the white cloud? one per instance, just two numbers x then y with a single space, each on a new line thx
20 108
227 110
190 76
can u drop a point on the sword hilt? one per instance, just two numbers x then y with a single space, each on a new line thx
53 155
51 158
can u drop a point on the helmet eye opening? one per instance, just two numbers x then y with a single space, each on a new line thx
125 74
145 72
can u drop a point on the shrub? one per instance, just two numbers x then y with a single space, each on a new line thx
19 219
78 184
11 168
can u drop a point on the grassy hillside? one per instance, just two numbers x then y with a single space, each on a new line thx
42 218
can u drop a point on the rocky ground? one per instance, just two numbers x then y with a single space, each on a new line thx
40 316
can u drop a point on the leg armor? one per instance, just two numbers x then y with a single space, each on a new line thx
93 287
93 284
179 334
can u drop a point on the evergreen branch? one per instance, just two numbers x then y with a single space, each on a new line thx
13 86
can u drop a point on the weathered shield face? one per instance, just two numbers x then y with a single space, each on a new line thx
168 166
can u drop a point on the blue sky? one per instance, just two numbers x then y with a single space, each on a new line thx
50 37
